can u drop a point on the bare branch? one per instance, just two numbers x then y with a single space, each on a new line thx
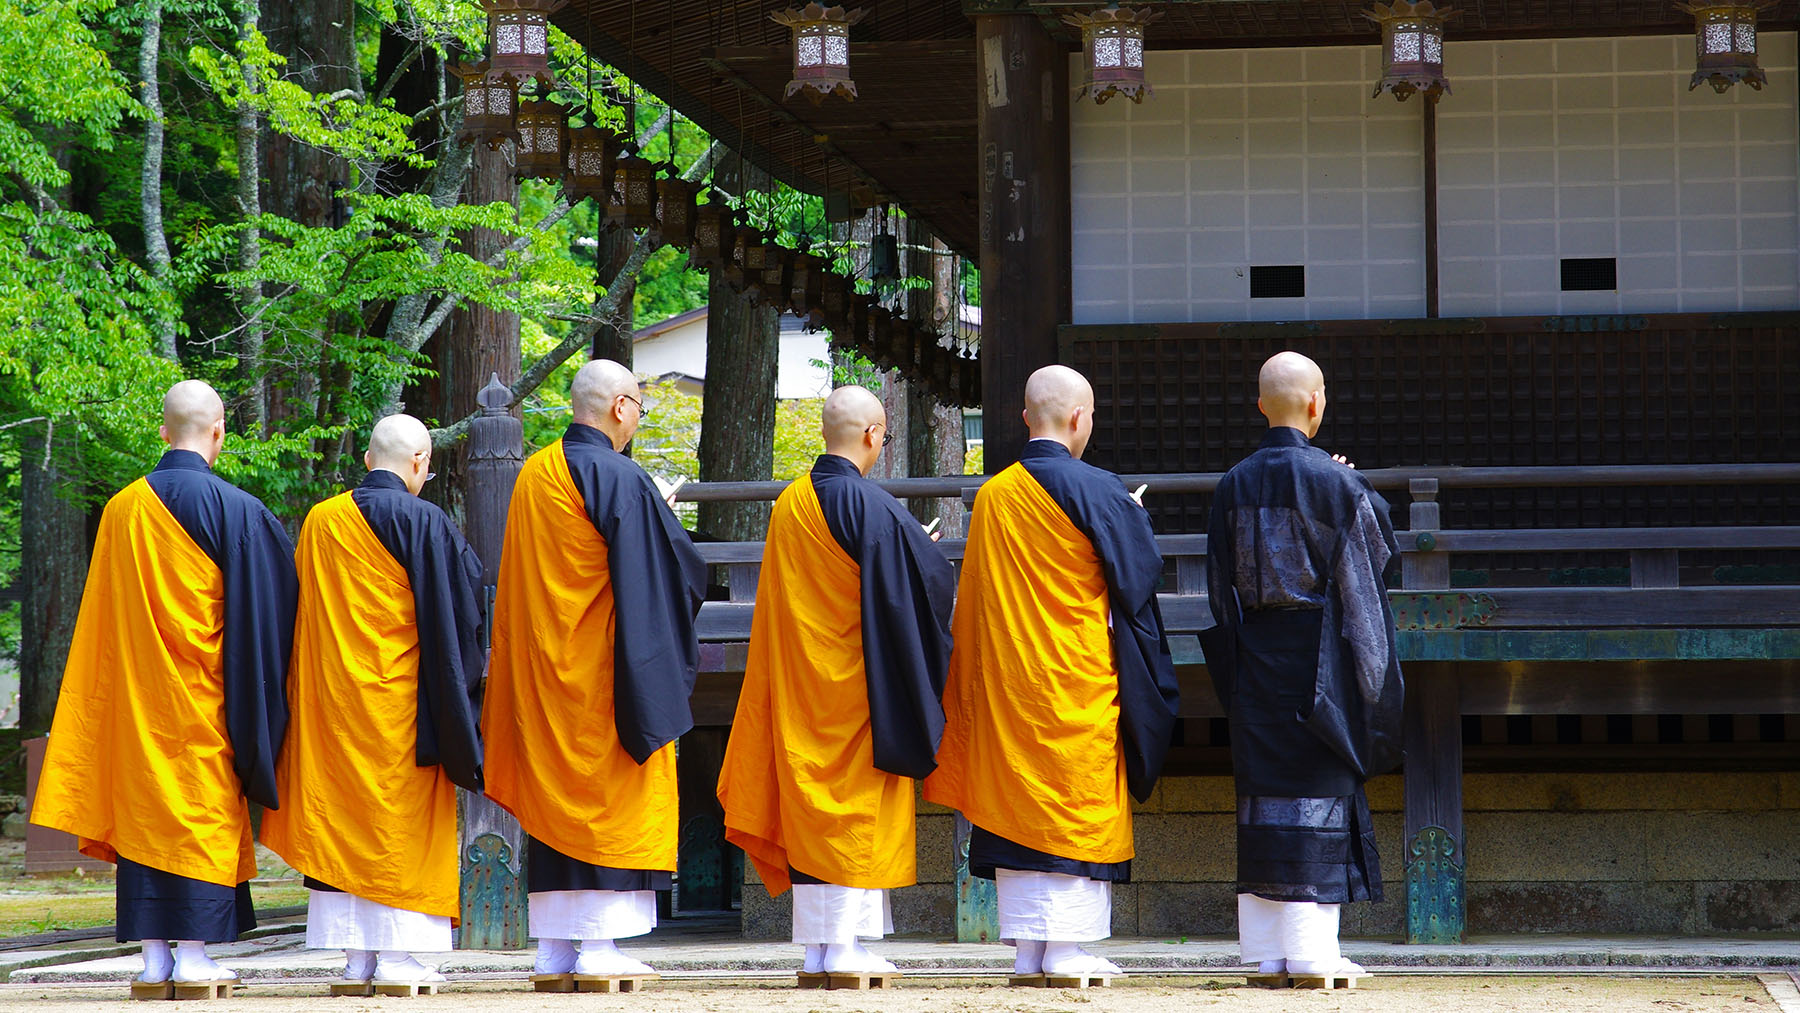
406 62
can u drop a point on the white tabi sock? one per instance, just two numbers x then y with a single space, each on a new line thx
853 958
399 965
602 957
1070 958
1272 967
1030 959
555 956
192 964
815 958
158 961
359 965
1340 967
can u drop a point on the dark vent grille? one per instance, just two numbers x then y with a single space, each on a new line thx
1278 281
1590 274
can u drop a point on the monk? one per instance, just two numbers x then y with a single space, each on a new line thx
173 704
841 704
594 658
1303 656
387 664
1062 695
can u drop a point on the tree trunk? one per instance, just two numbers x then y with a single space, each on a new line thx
480 341
53 570
935 430
737 415
156 245
250 340
613 340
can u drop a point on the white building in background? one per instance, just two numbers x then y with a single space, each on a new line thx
675 349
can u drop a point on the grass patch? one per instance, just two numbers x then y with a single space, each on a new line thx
90 904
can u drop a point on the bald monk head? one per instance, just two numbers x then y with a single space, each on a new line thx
1059 405
194 419
606 395
401 444
1291 392
854 425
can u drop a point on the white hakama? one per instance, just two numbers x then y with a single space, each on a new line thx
825 914
1052 907
344 921
590 914
1287 930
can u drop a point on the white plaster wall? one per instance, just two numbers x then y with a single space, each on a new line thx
1241 157
1596 148
683 350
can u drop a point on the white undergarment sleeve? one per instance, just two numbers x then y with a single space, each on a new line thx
344 921
840 914
590 914
1286 930
1052 906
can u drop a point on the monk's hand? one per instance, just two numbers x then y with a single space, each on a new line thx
1137 495
669 493
932 528
1341 459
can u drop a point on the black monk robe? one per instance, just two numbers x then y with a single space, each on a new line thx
1303 656
842 699
173 704
387 665
594 658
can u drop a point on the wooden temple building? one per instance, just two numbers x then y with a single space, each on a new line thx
1559 316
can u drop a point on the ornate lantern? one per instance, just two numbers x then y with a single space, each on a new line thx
633 201
1112 47
714 229
1412 48
675 208
873 338
519 36
589 166
806 288
490 101
1725 44
835 300
777 270
821 50
542 140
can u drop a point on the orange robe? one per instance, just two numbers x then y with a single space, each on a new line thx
361 814
142 761
556 755
1031 747
802 783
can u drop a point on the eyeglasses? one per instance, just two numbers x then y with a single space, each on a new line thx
643 413
886 437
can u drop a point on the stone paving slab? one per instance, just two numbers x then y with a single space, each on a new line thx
282 955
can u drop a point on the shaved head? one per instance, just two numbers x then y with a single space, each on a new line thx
1291 392
189 410
1059 405
194 419
854 422
594 400
395 440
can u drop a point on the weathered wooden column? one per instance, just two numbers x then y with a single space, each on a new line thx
1435 905
493 852
1023 134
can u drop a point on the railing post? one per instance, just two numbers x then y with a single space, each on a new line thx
493 854
1425 569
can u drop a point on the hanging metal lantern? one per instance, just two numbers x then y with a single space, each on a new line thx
806 288
632 204
675 199
519 36
714 228
835 299
1725 44
1112 48
821 50
542 141
490 105
777 272
1412 48
884 254
588 169
873 338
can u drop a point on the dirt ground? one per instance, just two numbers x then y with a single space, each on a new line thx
1137 995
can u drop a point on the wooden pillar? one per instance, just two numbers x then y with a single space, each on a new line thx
1431 209
1023 137
493 845
1435 903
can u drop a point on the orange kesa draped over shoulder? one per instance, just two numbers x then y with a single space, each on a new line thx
1031 746
553 753
141 762
358 812
799 783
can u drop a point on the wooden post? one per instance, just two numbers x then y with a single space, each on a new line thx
1431 210
1435 909
1023 144
493 845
